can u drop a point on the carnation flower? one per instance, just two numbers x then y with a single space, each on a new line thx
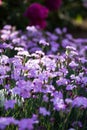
37 14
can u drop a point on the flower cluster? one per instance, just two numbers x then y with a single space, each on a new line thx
38 83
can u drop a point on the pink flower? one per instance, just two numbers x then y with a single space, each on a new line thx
37 14
0 2
53 4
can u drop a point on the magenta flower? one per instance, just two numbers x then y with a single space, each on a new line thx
37 14
53 4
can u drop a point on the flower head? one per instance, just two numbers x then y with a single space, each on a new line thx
37 14
43 111
9 104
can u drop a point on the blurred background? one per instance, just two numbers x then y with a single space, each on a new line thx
71 14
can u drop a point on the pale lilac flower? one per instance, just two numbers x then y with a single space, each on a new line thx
80 101
48 89
71 87
23 53
4 59
62 81
43 42
43 111
9 104
72 64
28 123
16 90
71 129
6 46
58 31
5 121
16 74
84 80
7 27
58 101
68 100
14 35
45 98
31 29
37 85
58 104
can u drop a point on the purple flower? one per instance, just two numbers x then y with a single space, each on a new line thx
5 121
37 14
28 123
4 59
58 101
72 64
80 101
58 104
43 111
53 4
62 81
7 27
68 100
77 123
45 98
70 87
43 42
9 104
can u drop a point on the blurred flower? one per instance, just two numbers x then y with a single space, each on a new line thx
53 4
80 101
28 123
77 123
9 104
37 14
43 111
0 2
5 121
70 87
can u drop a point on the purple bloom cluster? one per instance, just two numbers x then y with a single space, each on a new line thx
39 80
